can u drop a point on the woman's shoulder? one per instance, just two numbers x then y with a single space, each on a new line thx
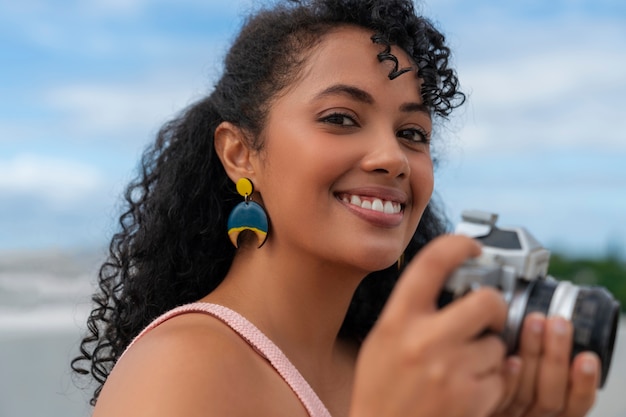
194 364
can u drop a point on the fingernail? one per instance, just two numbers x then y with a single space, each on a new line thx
559 325
588 365
514 365
536 323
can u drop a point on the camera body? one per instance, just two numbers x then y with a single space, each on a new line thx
515 263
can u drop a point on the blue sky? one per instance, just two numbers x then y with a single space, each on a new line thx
85 85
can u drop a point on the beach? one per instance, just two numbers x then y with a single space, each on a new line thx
44 300
35 377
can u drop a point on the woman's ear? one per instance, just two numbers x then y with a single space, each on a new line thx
233 150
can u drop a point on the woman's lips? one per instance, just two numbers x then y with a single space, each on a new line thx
379 211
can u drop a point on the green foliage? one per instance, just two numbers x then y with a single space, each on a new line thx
609 272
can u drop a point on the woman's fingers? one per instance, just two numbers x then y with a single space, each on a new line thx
482 310
488 395
585 375
419 288
511 374
482 384
420 360
531 341
452 341
422 281
548 384
553 380
484 356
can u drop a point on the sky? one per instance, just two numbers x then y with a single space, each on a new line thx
86 84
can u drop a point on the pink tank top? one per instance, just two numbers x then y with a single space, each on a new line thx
261 343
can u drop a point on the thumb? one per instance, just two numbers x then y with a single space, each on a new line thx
422 281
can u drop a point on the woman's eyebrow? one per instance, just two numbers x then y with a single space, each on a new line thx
351 91
414 107
363 96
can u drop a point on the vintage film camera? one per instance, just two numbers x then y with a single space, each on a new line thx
516 264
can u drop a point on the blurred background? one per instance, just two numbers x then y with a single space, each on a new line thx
85 85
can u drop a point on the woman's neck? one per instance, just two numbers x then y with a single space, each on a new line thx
299 303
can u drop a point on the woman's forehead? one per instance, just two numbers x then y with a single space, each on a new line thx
347 43
348 55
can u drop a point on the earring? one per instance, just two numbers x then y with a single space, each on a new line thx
400 262
247 215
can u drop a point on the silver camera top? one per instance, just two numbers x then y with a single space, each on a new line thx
512 248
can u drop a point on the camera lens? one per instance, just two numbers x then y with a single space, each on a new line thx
595 319
592 310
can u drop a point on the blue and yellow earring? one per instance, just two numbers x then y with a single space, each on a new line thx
247 215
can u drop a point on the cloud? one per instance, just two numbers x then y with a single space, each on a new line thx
135 7
55 181
545 76
120 112
108 109
110 28
543 85
542 140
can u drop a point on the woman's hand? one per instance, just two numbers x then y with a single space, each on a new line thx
421 361
541 381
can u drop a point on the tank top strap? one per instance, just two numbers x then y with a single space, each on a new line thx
257 340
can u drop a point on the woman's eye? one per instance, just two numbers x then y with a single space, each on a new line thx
339 119
415 136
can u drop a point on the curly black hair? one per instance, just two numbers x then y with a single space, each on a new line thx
172 247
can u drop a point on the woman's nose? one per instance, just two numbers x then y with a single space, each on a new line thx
386 155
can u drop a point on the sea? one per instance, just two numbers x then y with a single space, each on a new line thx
44 301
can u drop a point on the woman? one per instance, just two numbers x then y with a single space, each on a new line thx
323 118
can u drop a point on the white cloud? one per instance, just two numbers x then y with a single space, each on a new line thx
537 77
543 86
54 180
100 28
97 9
135 7
120 111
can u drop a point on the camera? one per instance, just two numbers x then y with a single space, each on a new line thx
515 263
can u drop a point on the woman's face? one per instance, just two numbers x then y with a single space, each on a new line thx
346 171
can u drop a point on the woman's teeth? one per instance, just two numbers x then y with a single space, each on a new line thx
375 204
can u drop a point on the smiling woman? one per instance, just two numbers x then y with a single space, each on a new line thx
326 107
345 134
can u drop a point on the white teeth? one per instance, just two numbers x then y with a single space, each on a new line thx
376 204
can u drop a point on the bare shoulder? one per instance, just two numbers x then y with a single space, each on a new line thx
194 365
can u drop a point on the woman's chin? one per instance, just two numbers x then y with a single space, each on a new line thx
378 262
